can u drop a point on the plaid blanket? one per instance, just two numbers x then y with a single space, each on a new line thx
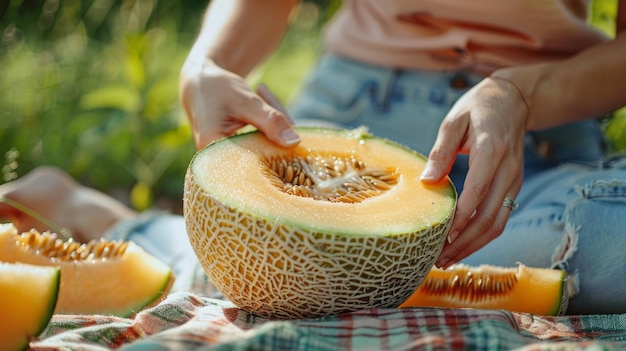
186 321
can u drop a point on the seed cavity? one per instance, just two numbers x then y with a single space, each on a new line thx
329 178
473 287
50 245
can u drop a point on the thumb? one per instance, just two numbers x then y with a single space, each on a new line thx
266 94
435 170
275 125
440 159
275 122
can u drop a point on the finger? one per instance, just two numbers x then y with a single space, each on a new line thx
203 137
278 128
206 128
447 145
274 124
488 221
266 94
473 239
484 163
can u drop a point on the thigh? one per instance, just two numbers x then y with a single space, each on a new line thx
406 106
573 218
596 236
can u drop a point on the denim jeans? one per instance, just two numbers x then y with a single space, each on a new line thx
407 106
572 212
573 206
571 217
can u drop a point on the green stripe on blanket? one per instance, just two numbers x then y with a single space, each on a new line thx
186 321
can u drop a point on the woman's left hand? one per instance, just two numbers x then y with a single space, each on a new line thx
488 123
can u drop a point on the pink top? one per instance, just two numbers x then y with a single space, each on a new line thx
478 35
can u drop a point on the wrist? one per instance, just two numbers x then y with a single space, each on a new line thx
532 83
521 95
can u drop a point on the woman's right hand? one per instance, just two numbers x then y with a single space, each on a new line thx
219 102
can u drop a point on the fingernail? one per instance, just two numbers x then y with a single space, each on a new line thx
442 262
452 236
429 172
290 137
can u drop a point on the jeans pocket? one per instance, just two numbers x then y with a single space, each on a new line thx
333 92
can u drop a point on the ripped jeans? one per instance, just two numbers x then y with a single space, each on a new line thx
572 212
572 217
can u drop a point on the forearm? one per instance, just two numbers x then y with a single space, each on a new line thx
237 34
587 85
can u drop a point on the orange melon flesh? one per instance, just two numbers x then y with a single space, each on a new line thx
120 285
232 175
526 289
28 295
283 256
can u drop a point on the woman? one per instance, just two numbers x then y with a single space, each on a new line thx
515 85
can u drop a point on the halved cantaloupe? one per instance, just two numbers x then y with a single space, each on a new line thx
339 223
101 277
533 290
28 295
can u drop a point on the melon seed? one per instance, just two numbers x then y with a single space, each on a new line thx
328 178
49 245
472 286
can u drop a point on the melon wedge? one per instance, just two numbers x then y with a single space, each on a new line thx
28 295
101 277
339 223
526 289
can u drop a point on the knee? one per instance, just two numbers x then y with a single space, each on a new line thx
592 249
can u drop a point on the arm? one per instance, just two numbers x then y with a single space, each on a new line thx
490 121
236 36
581 87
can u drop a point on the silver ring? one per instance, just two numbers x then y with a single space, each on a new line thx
508 202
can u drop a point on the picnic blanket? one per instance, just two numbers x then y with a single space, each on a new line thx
188 321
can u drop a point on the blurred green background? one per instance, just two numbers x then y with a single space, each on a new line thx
91 86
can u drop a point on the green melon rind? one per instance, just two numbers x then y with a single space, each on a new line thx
393 284
561 307
362 134
312 277
148 302
56 280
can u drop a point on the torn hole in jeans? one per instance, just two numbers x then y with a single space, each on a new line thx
564 252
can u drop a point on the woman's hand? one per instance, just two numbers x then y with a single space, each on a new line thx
49 199
489 123
219 102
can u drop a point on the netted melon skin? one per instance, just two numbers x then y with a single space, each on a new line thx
279 271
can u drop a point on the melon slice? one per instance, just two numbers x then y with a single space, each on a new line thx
28 295
101 277
533 290
339 223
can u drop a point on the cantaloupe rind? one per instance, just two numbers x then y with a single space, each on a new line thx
113 278
284 256
540 291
